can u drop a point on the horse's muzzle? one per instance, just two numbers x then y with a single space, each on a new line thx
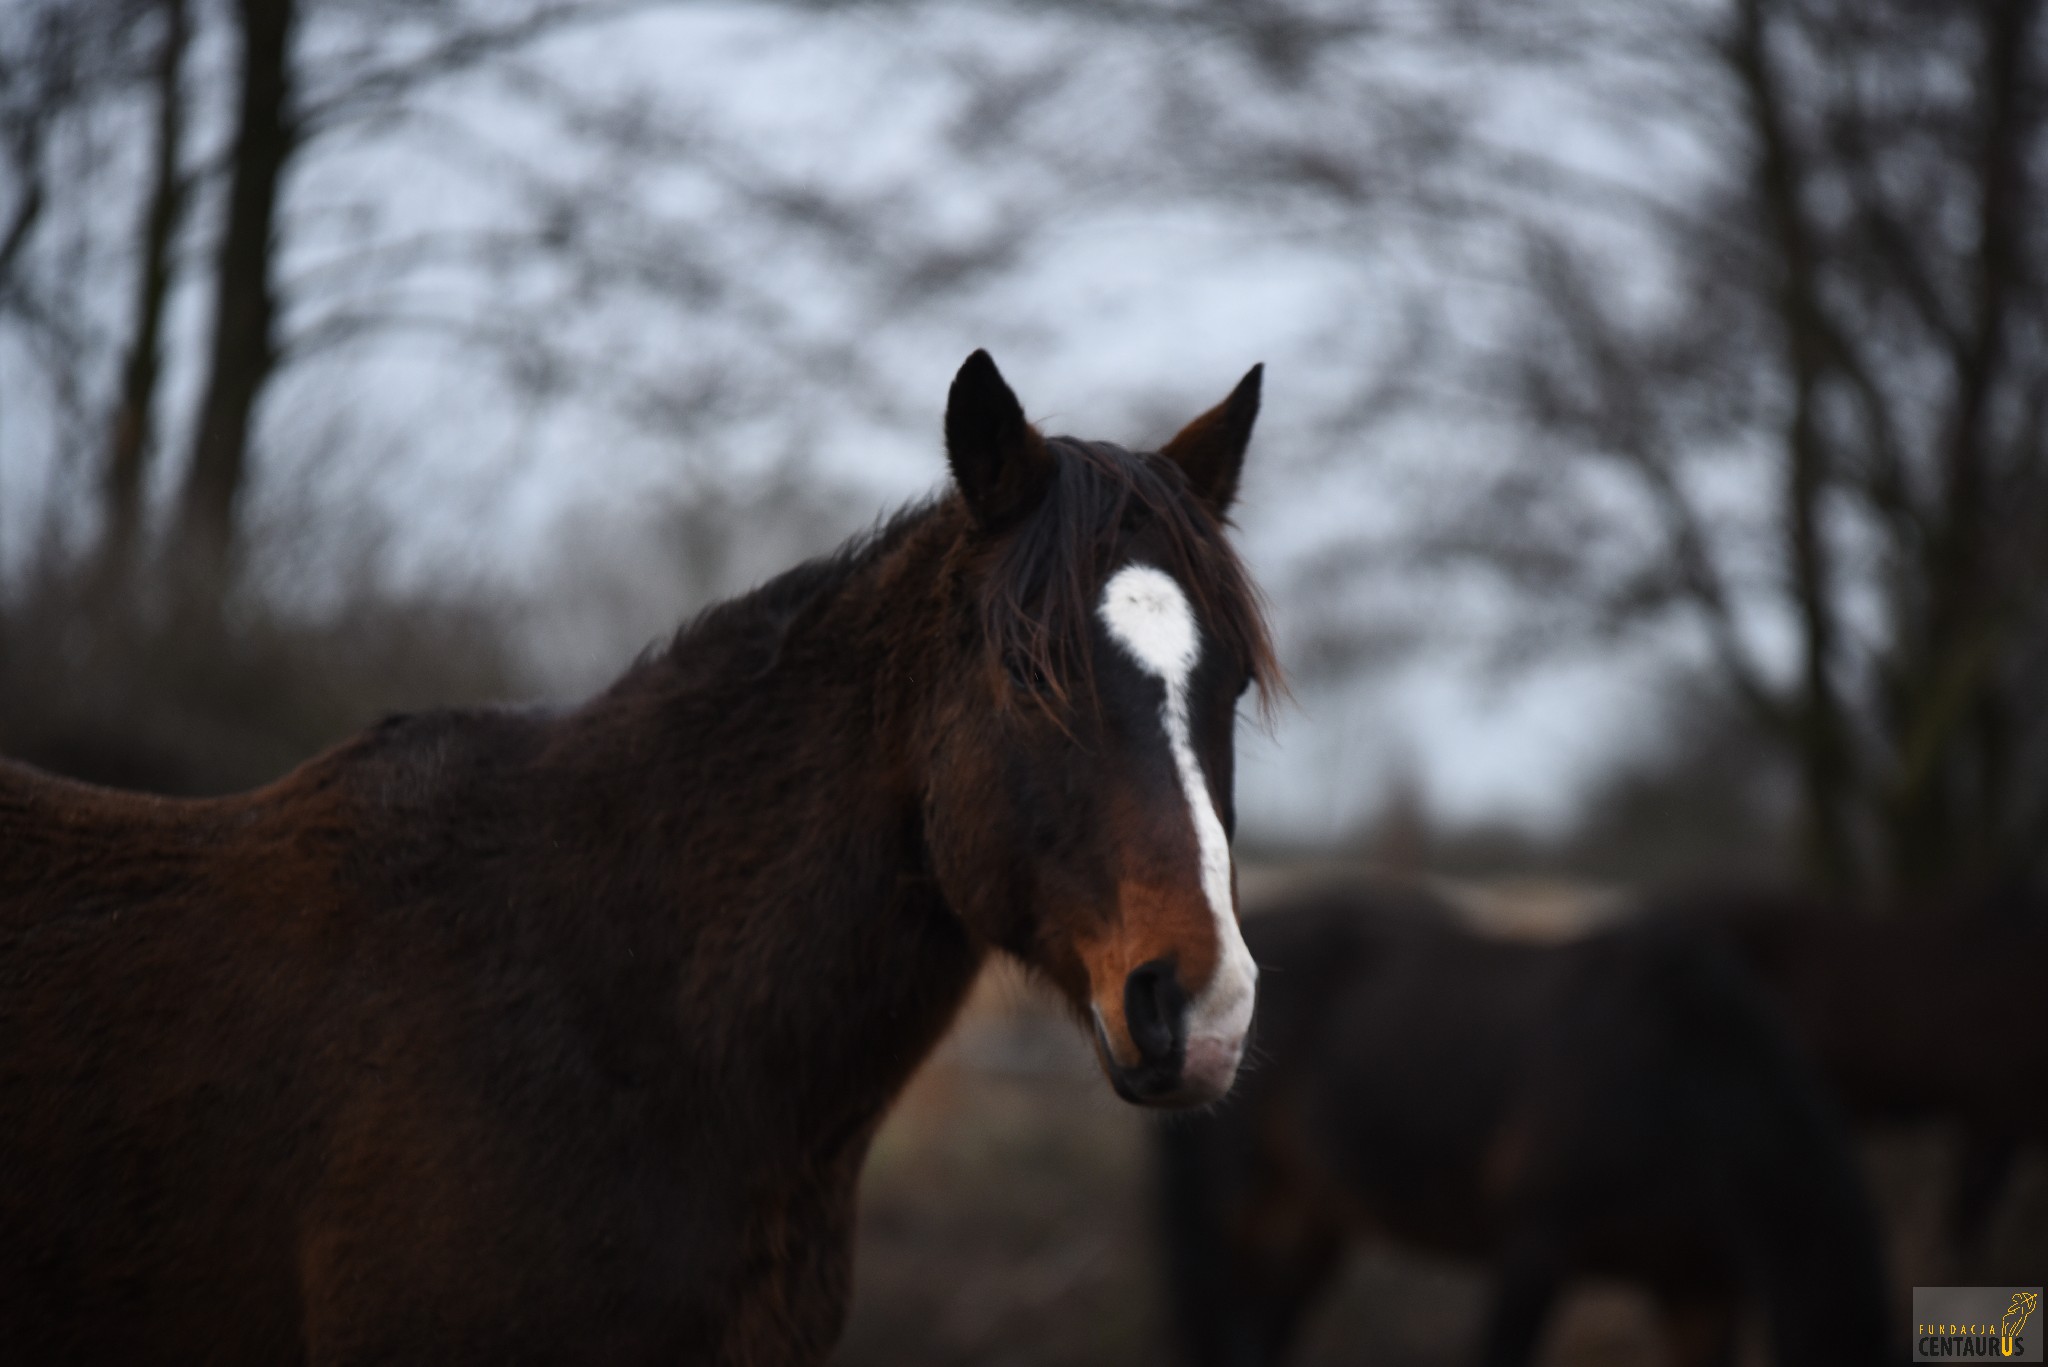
1173 1067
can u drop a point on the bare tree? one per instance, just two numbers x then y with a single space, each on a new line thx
1852 337
131 434
286 274
244 303
1745 305
59 63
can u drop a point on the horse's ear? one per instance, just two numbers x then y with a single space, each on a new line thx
998 459
1211 448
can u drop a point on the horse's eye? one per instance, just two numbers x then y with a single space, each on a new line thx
1025 676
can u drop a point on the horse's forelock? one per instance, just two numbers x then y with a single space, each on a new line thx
1041 589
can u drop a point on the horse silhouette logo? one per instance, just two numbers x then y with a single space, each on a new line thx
2016 1316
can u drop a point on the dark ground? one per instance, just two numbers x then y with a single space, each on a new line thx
1003 1224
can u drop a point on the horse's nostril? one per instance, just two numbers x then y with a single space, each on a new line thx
1155 1008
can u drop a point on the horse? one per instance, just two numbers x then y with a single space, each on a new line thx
1852 983
515 1036
1624 1105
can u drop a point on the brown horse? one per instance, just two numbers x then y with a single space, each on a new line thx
1929 1013
517 1037
1621 1105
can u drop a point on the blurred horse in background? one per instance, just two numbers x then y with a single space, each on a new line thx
503 1037
1624 1104
1928 1013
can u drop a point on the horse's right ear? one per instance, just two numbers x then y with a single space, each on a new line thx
998 459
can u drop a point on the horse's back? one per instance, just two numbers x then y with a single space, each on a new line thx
314 1071
1453 1079
147 1030
1847 980
199 1002
60 838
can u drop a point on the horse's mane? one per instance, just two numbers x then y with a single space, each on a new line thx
1041 586
745 633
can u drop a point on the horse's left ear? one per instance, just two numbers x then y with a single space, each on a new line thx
1211 448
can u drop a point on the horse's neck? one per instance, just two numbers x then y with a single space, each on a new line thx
818 962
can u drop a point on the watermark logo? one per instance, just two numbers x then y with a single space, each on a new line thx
1976 1324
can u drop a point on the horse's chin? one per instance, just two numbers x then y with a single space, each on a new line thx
1206 1070
1183 1098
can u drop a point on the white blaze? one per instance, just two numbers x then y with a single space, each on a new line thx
1149 616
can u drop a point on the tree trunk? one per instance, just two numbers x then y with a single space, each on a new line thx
1949 805
244 350
1819 733
130 431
